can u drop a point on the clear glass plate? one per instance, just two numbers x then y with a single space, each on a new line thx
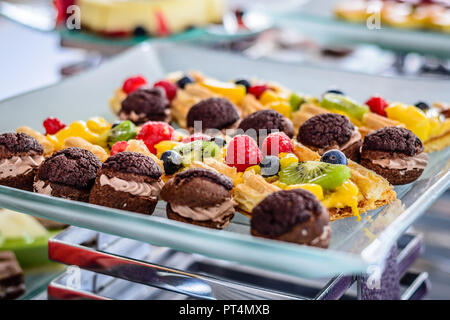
355 245
316 18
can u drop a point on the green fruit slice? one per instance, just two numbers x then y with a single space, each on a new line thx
295 101
339 102
197 151
328 176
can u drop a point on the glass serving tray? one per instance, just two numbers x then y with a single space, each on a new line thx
355 245
317 18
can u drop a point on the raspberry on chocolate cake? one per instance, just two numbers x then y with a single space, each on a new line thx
129 181
328 131
261 123
145 104
20 156
302 218
68 173
201 197
214 113
395 153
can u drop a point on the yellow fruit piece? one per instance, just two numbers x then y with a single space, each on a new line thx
282 107
98 125
256 169
287 159
54 141
315 189
229 90
344 196
164 146
412 117
270 96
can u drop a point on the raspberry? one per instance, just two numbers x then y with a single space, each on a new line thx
153 132
196 136
119 146
53 125
169 88
133 83
276 143
377 105
243 152
258 90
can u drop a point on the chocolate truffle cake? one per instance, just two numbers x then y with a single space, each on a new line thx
214 113
68 173
20 156
260 124
328 131
395 153
201 197
303 219
145 104
129 181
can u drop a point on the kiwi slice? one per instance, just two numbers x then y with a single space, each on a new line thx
328 176
339 102
197 151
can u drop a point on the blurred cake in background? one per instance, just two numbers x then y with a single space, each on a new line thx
121 18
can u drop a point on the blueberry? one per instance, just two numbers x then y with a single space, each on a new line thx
270 166
334 157
244 83
140 31
172 161
184 81
219 141
335 91
422 105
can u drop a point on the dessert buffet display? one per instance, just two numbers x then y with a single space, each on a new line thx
418 14
211 149
118 18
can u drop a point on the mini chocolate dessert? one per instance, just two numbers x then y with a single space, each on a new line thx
214 113
145 104
68 173
12 283
300 219
129 181
395 153
260 124
328 131
201 197
20 156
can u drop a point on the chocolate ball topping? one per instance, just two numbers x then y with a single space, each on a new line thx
269 120
215 113
393 139
325 130
134 163
148 101
18 144
212 176
73 167
298 206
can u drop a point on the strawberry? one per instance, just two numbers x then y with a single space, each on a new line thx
53 125
169 87
275 143
258 90
119 146
377 105
153 132
243 152
133 83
